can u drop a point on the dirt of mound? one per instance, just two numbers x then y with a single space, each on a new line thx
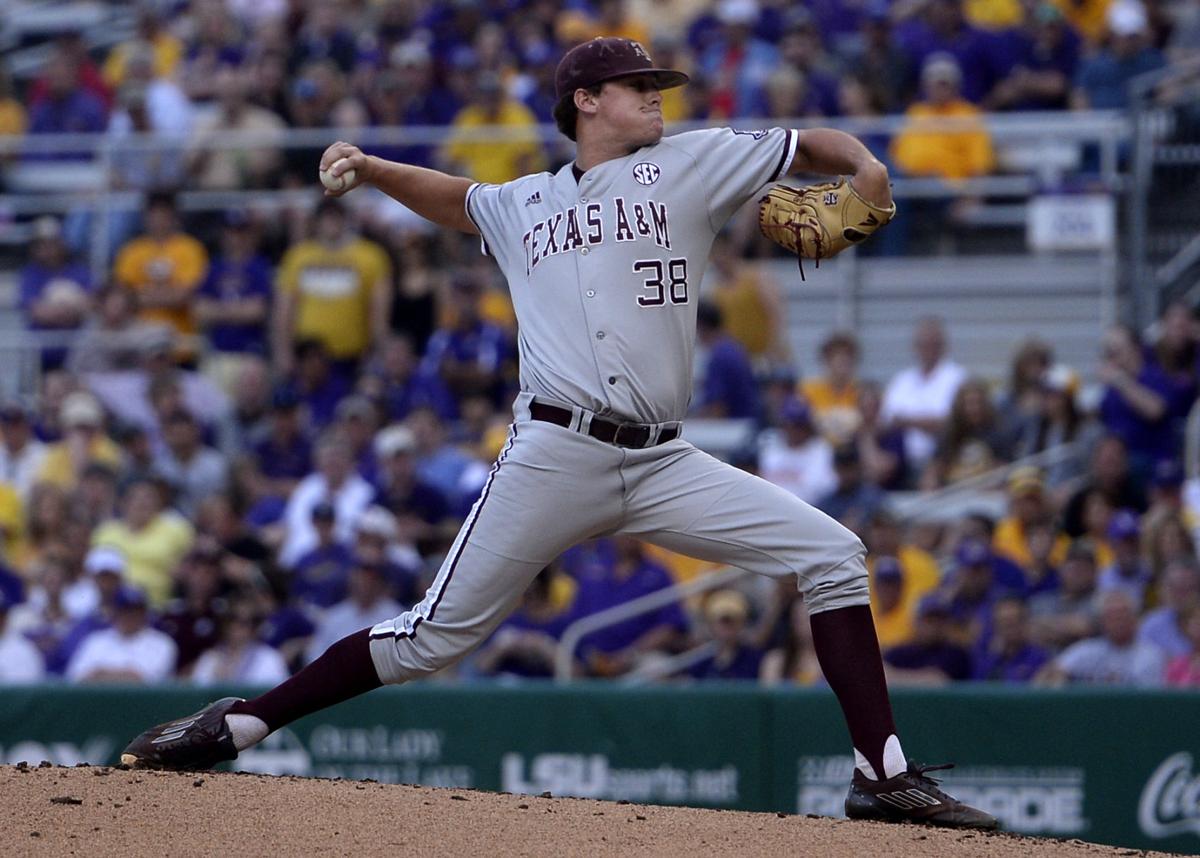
103 811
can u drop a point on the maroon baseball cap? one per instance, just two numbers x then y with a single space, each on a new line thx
607 58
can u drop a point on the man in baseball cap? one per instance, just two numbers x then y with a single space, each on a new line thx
591 64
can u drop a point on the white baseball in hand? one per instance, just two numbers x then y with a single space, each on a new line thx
337 183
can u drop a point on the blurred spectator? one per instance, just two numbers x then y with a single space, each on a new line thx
883 66
795 457
737 64
232 302
1108 475
622 574
943 31
1141 404
168 110
357 420
726 612
973 588
54 289
193 469
46 617
164 267
134 167
727 387
918 399
932 658
335 482
880 444
1128 571
1010 656
319 578
1184 670
114 338
166 49
334 288
240 657
752 309
1175 352
1058 422
418 506
191 620
1115 657
1029 509
1061 617
893 613
1179 593
611 18
20 660
377 541
1169 540
834 394
69 49
220 167
972 441
66 107
444 465
885 537
525 643
215 44
1047 55
283 454
471 354
367 603
152 538
492 160
1086 17
853 501
13 119
129 652
943 135
1102 81
803 47
317 384
324 36
1165 497
84 442
399 380
1021 404
795 661
21 453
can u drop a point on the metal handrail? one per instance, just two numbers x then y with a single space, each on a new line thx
564 654
670 665
1103 126
992 478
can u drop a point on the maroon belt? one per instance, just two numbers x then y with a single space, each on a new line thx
620 434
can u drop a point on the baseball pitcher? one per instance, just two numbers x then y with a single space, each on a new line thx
604 260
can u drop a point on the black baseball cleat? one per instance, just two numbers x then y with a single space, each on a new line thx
912 796
198 741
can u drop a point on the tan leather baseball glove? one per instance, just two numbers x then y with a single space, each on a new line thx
819 221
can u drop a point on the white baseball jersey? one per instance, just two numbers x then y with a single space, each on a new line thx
604 271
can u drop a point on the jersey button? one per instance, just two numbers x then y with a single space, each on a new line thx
591 293
584 251
612 379
599 335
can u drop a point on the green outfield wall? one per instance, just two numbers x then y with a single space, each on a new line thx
1107 766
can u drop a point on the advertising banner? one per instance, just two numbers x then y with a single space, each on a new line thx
1105 766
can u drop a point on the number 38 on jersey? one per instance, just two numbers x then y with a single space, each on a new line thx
663 281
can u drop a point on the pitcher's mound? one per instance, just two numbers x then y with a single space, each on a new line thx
101 811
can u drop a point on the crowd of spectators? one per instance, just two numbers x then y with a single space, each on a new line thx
255 434
197 69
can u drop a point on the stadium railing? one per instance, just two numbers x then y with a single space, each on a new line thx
1036 152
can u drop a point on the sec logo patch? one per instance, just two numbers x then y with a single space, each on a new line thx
646 173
